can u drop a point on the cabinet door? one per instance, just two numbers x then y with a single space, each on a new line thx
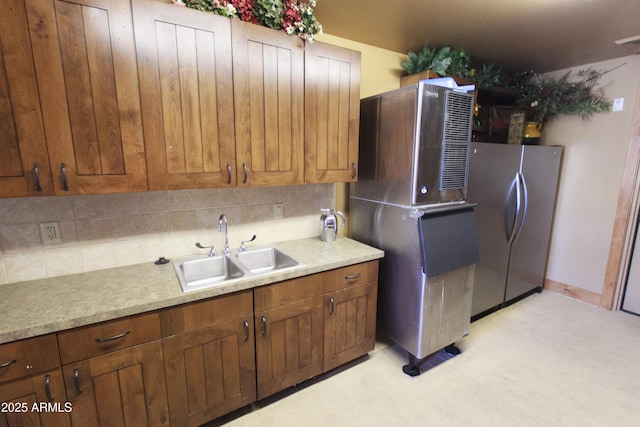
126 387
85 63
288 345
332 113
268 69
186 85
210 371
22 137
21 400
349 324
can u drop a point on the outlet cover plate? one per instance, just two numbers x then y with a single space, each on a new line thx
278 211
50 232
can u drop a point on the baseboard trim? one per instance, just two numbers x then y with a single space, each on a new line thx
583 295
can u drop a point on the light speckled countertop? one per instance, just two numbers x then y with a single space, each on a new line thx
49 305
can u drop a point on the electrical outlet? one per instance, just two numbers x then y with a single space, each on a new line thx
50 232
278 211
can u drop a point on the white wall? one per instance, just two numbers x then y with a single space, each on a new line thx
590 179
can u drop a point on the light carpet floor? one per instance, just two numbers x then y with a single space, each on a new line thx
544 361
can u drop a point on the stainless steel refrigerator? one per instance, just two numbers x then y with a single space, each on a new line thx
514 187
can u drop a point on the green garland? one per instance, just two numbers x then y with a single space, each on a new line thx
544 98
269 13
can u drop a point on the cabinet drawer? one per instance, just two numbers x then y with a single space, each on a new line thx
286 292
27 357
185 317
83 343
344 277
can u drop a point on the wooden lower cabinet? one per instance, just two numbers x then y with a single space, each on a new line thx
350 302
31 386
288 345
126 387
209 355
210 371
38 400
288 321
349 324
189 364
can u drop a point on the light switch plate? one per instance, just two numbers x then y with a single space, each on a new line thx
618 104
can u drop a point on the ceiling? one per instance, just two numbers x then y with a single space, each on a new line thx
520 35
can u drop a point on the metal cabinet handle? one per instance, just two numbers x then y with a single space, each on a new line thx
264 326
245 174
354 169
63 171
352 277
76 381
246 330
36 176
115 337
7 364
332 305
525 203
228 173
515 183
47 388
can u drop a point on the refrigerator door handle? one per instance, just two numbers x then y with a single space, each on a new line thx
525 203
512 230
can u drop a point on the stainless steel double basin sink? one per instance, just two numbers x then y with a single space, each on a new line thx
201 271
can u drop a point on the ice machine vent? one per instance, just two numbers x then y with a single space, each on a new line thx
456 138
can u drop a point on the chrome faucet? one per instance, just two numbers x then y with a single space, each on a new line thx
223 220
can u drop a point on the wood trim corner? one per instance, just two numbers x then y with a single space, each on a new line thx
572 292
623 212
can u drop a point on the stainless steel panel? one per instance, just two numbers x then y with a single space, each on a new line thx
492 172
540 168
419 313
414 146
513 238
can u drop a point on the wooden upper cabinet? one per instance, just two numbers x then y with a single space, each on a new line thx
332 113
268 69
84 57
22 137
186 83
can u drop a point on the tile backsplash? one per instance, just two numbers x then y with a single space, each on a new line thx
112 230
